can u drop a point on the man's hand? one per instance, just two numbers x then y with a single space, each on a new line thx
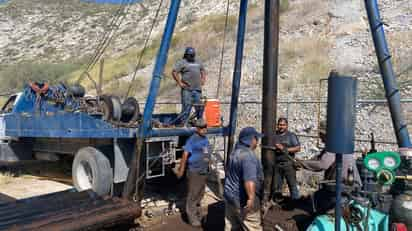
181 170
297 166
202 77
178 80
179 174
183 84
280 146
249 206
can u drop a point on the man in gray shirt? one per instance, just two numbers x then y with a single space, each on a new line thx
325 197
192 78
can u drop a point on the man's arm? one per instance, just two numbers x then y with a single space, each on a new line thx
293 149
249 178
289 150
202 77
324 163
250 189
178 68
178 80
182 166
295 144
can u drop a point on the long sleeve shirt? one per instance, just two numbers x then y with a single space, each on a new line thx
326 162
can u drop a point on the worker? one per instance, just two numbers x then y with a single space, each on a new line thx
324 199
286 145
196 159
243 184
190 75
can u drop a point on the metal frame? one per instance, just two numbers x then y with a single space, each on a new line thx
166 156
145 130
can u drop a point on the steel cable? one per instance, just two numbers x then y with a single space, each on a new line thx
144 48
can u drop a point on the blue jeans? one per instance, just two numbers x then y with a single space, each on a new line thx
286 170
190 98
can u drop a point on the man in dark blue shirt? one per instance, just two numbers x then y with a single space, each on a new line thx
243 184
196 159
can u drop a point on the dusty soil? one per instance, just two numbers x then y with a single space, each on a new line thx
214 220
24 180
287 216
163 202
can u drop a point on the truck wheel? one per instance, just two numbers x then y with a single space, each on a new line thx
111 107
130 110
91 170
117 108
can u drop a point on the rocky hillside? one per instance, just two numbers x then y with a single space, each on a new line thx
55 39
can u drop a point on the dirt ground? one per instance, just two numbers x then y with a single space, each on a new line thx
30 179
163 202
283 217
286 216
213 220
25 180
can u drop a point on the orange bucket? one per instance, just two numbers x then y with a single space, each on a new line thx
212 113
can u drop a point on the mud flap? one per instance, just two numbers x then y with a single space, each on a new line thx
12 151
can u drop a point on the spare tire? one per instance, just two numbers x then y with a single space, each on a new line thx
110 107
77 90
91 169
106 106
130 110
117 108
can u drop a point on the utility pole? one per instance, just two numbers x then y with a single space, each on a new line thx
270 88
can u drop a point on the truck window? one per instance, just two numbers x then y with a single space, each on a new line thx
8 106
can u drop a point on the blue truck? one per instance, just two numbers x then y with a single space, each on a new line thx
100 132
108 138
115 146
46 122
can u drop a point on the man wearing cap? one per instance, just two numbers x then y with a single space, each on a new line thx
243 184
325 198
192 78
196 159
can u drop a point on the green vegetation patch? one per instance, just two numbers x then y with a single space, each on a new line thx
205 35
13 77
308 57
64 8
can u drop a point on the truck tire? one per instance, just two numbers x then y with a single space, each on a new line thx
111 107
106 105
117 108
91 169
130 110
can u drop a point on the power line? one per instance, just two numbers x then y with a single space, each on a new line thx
144 48
114 25
219 82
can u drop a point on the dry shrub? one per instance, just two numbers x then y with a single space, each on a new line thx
307 57
306 8
399 43
302 12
